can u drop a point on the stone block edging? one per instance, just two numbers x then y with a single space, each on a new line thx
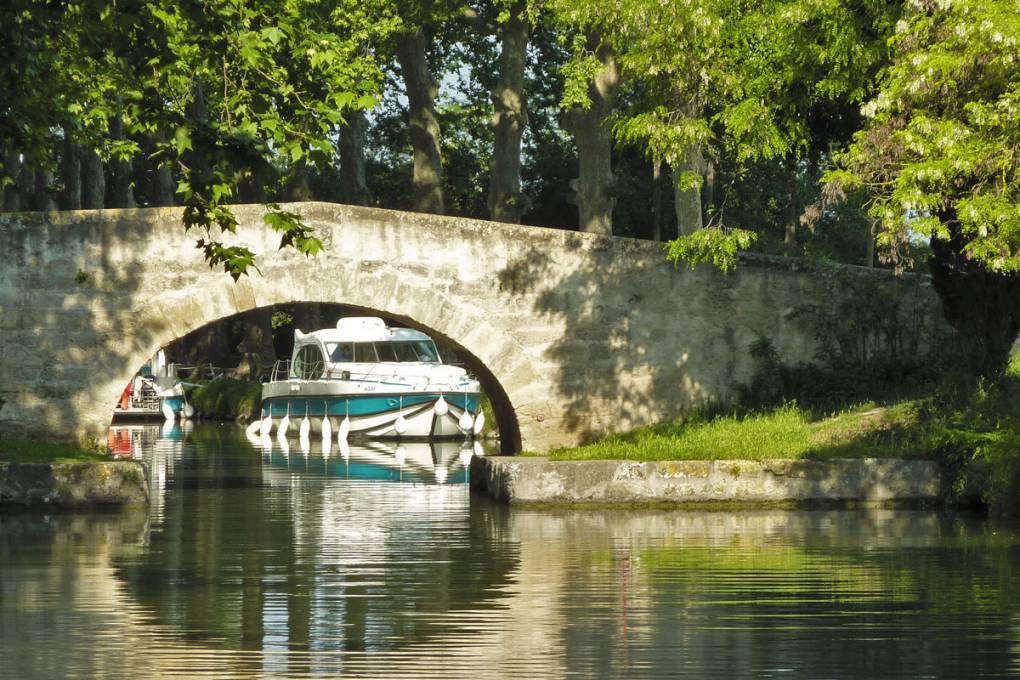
71 485
521 479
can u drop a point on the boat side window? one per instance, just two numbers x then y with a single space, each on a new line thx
340 352
365 352
386 351
426 351
309 364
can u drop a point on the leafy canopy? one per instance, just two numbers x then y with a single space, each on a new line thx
234 88
940 152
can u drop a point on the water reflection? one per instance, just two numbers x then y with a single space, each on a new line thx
258 564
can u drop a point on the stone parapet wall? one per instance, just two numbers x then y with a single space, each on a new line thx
573 335
73 484
539 480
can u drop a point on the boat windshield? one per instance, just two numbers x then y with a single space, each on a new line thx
371 352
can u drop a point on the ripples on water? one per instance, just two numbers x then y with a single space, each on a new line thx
253 563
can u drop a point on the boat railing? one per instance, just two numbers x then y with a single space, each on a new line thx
281 370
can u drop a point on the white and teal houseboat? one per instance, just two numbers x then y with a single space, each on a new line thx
365 379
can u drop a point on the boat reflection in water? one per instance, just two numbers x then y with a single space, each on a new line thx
426 462
429 462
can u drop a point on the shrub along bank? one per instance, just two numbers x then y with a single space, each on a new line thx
972 429
226 399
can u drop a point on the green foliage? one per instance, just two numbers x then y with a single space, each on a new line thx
716 245
235 89
940 150
32 451
281 319
226 399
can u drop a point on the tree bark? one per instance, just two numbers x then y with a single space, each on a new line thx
93 181
869 256
353 186
70 173
708 192
656 200
688 200
423 126
158 185
300 187
12 192
256 348
593 188
509 118
122 193
792 209
43 193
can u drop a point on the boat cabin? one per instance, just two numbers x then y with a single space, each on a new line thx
358 341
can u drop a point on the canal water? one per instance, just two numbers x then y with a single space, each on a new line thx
377 562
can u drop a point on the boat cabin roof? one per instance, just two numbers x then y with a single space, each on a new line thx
360 329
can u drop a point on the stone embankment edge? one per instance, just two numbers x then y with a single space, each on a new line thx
540 481
73 485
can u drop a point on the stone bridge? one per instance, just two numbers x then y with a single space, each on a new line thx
573 335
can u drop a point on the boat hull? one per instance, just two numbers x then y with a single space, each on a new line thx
376 415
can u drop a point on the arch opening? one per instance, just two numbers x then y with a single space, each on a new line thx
246 347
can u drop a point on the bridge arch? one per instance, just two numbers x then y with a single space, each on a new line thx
466 331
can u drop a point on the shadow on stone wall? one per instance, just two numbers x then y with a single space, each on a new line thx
614 370
67 302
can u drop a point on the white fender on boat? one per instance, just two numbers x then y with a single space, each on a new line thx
253 437
345 449
479 422
265 426
441 407
327 430
281 429
400 424
168 412
305 428
188 411
267 444
253 428
327 446
305 444
465 422
343 430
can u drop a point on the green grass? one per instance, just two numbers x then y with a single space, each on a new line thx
972 428
29 451
787 432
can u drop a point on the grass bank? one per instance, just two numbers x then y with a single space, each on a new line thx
972 429
30 451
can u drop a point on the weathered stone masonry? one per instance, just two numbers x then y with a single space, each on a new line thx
573 334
